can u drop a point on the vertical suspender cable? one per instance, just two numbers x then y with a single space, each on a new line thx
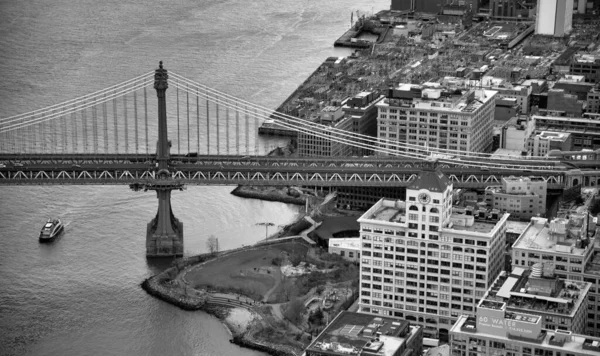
178 129
95 126
218 143
198 121
255 131
227 125
84 130
237 129
76 138
187 98
42 136
135 114
105 119
146 118
247 130
64 132
116 133
207 126
126 121
53 140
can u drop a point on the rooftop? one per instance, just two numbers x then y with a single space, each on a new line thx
554 340
353 334
464 219
442 99
558 236
536 290
347 243
554 136
434 181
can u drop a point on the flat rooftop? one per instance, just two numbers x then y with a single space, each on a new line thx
355 333
394 212
352 243
580 344
542 294
540 236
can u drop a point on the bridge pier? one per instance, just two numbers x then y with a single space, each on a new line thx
164 235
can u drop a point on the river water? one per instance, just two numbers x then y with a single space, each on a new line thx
81 295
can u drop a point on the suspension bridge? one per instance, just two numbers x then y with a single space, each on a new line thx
113 136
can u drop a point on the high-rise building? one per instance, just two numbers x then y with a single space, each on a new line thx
525 314
554 17
502 9
436 117
423 261
565 244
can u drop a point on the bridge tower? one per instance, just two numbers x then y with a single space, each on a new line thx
164 234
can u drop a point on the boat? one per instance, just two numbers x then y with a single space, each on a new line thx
52 228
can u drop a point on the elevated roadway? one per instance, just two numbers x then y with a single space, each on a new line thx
142 170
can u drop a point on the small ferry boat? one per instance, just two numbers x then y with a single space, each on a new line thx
52 228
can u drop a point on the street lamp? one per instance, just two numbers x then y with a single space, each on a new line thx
266 225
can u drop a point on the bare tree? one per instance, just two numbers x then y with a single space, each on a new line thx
212 244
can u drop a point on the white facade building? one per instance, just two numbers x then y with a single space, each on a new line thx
348 248
460 120
554 17
424 262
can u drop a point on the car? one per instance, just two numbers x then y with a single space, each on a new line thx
2 165
76 166
17 164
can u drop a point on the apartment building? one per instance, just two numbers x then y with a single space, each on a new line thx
588 65
426 262
355 115
585 131
593 101
510 321
565 244
521 197
436 117
542 143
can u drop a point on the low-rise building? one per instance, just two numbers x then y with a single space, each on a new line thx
588 65
515 133
584 130
348 248
521 197
367 335
563 104
593 100
503 326
565 243
506 108
356 115
542 143
561 303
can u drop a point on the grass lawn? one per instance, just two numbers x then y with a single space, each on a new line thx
250 270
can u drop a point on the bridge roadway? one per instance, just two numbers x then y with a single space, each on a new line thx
80 169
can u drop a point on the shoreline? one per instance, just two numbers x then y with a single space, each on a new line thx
261 193
201 302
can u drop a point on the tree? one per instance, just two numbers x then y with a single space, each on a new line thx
294 310
212 244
